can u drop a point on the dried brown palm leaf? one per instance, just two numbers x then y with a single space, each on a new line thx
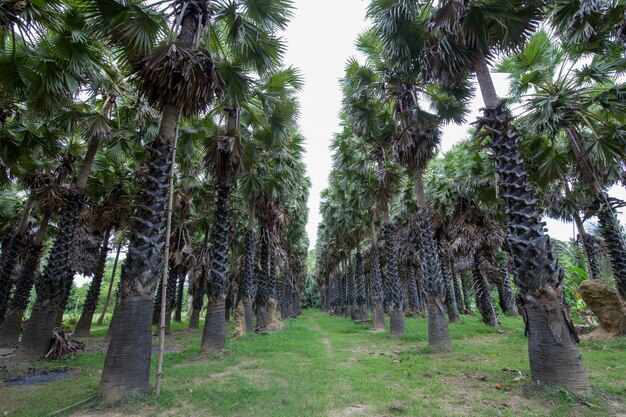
183 77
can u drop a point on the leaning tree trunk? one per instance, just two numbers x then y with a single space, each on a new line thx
247 281
180 295
264 290
50 289
8 258
110 290
10 328
214 334
614 239
126 368
484 302
83 327
554 356
434 285
609 225
16 245
396 313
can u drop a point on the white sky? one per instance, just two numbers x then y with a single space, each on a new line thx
320 38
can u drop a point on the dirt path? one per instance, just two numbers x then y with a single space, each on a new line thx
325 340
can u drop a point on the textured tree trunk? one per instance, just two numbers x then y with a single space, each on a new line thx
453 311
553 354
458 295
360 286
505 291
213 336
396 313
126 368
50 288
110 289
8 257
617 247
434 285
180 295
170 296
264 286
127 364
83 327
467 293
247 282
412 288
484 302
350 296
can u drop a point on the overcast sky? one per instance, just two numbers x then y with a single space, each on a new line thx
320 39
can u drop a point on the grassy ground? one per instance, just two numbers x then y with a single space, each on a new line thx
328 366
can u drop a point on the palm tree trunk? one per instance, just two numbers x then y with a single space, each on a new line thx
451 307
51 287
484 302
180 295
458 295
197 301
359 277
378 318
396 313
10 328
126 368
108 297
83 327
609 225
505 291
214 335
554 356
8 258
247 283
263 288
350 291
432 274
412 288
467 291
170 296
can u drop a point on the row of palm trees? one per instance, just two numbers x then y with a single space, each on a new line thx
103 103
448 213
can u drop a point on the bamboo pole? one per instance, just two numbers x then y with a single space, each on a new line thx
166 256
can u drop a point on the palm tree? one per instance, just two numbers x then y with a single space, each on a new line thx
579 106
466 35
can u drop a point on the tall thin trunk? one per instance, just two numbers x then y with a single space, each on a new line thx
359 278
83 327
214 335
554 356
108 297
505 290
467 293
170 296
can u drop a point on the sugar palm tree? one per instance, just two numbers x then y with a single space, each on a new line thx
582 107
465 36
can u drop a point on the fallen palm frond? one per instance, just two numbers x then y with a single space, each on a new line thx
62 345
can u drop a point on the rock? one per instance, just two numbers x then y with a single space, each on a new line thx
606 304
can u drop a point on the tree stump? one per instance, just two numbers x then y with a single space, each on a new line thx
608 307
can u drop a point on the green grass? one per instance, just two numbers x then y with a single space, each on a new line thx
327 366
